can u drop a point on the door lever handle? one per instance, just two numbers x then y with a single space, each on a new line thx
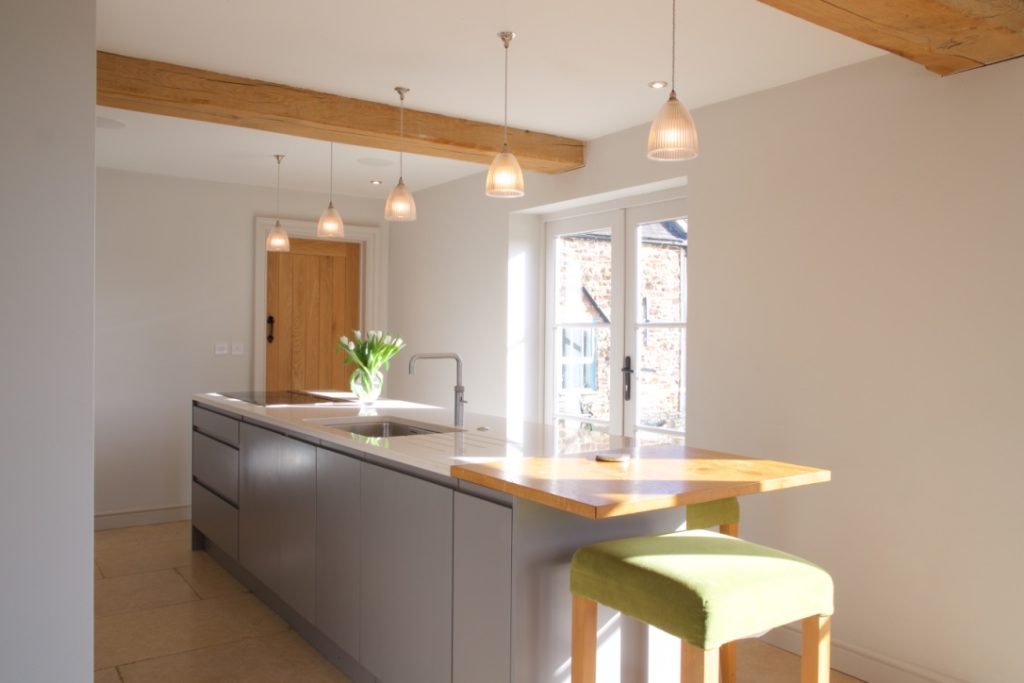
627 378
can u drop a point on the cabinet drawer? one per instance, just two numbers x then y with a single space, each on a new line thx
218 426
216 518
215 466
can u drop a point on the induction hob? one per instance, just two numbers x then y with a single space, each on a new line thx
281 398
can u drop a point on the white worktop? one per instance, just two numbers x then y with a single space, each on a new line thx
483 438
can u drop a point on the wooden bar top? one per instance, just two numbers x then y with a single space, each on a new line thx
656 477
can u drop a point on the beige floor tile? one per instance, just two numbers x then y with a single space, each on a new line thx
143 549
131 637
208 578
279 658
136 592
107 676
172 531
759 662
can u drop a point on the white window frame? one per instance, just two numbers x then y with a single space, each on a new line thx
625 322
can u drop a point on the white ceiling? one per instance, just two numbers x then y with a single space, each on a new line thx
578 68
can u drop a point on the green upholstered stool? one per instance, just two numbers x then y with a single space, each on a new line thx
708 589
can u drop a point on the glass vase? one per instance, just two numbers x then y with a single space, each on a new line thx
367 385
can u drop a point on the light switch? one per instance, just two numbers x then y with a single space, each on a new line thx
220 348
237 348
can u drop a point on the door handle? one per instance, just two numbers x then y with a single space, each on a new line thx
270 329
627 378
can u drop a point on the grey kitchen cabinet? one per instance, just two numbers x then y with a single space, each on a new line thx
215 480
215 466
482 600
406 577
277 515
338 548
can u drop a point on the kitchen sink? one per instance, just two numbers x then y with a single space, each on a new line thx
383 428
386 428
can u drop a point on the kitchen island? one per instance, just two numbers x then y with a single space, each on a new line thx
441 555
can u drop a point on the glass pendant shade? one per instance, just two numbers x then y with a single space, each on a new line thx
505 177
277 239
400 205
330 224
673 135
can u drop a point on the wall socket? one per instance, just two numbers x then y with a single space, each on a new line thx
237 349
220 348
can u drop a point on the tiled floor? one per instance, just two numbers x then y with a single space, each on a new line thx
165 614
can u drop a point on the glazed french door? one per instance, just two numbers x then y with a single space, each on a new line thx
616 321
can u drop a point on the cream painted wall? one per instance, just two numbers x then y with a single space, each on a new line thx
450 277
855 304
174 276
47 49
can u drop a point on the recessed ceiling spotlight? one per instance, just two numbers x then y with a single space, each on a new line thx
376 182
658 85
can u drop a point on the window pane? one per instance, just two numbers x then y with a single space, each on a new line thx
583 372
662 269
644 438
583 271
661 378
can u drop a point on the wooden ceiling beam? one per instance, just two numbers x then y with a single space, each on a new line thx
945 36
172 90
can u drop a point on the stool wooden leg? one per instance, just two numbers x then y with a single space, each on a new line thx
584 640
727 659
727 662
817 640
699 665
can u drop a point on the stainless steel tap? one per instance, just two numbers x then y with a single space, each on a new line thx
460 390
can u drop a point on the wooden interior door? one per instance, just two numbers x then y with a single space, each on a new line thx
313 294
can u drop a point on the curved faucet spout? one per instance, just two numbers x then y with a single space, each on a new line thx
459 389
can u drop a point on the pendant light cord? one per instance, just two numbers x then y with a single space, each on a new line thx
506 41
401 137
332 172
279 157
673 45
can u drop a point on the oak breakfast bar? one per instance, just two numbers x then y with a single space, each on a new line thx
441 555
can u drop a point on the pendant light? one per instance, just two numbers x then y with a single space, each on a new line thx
400 205
277 239
330 224
673 135
505 177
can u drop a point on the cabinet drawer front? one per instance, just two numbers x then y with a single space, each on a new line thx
215 466
217 519
218 426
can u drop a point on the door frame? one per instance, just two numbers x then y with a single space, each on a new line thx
373 306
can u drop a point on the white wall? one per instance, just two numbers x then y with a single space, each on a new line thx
174 275
855 304
47 49
449 272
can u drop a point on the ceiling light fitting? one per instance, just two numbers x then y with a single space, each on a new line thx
657 85
505 177
277 239
330 224
400 205
673 135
